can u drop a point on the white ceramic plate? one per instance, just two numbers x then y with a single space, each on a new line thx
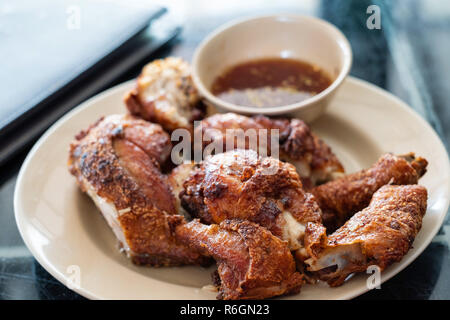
62 229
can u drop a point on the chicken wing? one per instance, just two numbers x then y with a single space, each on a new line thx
165 94
314 160
381 234
341 198
239 184
117 163
252 263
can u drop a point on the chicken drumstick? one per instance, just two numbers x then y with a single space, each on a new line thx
343 197
381 234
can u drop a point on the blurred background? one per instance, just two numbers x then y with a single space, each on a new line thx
111 40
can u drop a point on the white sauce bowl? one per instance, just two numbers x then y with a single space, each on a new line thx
304 38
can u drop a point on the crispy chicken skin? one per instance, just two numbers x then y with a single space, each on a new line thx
381 234
297 144
239 184
252 263
176 179
165 94
341 198
117 163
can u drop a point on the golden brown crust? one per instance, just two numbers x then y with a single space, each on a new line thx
93 157
239 184
296 141
341 198
381 234
252 263
176 179
315 238
118 159
216 129
165 94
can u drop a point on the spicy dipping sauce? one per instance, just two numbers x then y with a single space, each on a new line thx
270 82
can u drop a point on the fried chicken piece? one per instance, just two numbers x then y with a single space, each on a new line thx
252 263
176 179
381 234
239 184
314 160
165 94
341 198
117 163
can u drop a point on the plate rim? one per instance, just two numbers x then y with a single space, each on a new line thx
90 295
